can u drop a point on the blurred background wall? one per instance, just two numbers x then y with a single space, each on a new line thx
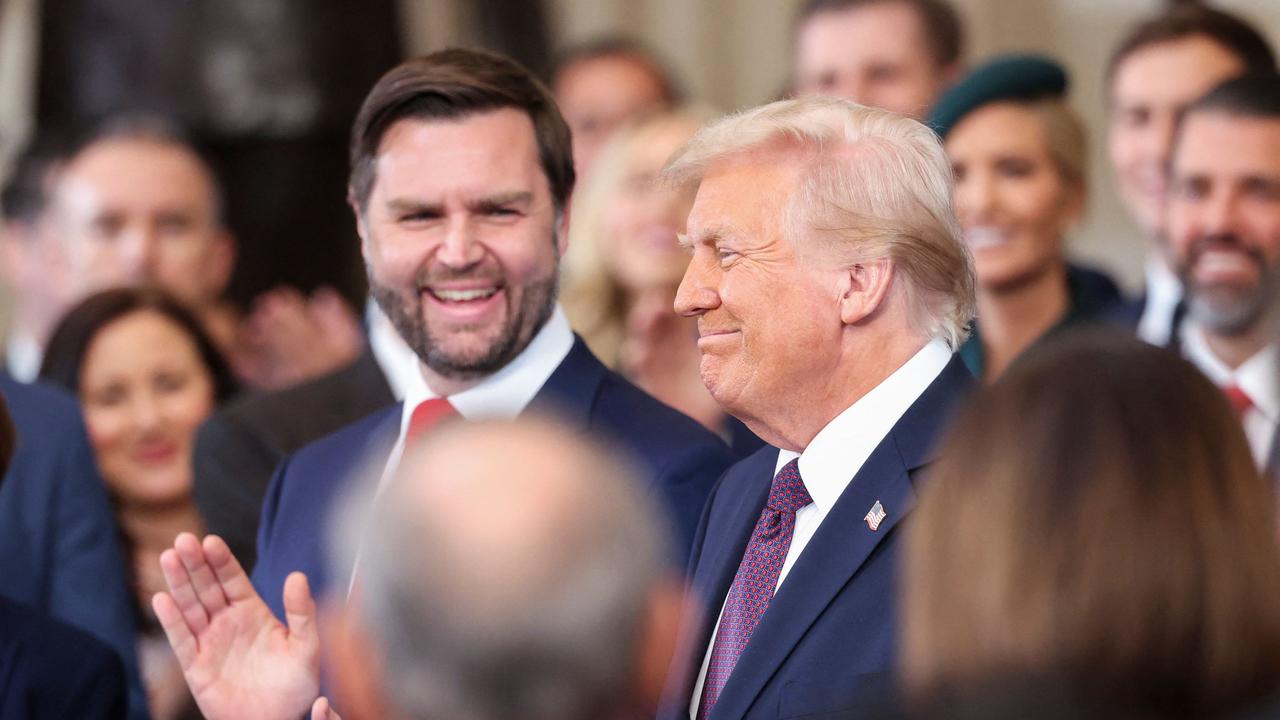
732 54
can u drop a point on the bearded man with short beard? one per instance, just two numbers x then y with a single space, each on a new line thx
461 174
1224 229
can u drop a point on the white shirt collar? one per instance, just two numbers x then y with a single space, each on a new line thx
504 394
398 362
1163 292
23 356
1257 376
838 451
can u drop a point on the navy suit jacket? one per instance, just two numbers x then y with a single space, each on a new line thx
828 639
682 459
50 671
60 543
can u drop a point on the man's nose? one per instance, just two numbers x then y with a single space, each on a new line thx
139 254
697 293
460 248
1218 216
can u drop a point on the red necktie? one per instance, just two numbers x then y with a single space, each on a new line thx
427 415
1238 399
757 577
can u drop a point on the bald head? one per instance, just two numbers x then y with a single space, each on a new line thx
508 570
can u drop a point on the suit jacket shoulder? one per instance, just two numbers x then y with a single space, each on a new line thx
60 539
300 499
239 447
682 458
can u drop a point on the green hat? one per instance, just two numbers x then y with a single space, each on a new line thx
1008 77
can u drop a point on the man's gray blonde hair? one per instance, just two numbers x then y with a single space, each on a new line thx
876 186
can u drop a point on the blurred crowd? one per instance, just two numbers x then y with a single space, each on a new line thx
803 411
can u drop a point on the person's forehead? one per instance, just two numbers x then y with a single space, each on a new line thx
878 30
137 171
1222 143
489 151
741 194
589 75
1177 70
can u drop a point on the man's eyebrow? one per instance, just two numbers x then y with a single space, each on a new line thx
409 205
515 197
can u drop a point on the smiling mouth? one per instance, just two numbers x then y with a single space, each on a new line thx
462 296
982 238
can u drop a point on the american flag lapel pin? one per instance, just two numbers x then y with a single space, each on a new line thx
875 516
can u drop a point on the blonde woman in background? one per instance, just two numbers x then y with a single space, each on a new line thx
625 262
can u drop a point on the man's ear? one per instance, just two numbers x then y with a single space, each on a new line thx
357 670
362 227
866 286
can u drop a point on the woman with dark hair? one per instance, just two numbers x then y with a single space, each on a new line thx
1097 522
146 375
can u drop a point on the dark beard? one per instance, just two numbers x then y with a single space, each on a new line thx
538 302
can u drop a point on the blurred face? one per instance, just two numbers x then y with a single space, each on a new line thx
1224 218
460 239
600 95
645 217
138 211
769 324
145 391
1149 91
875 55
1012 201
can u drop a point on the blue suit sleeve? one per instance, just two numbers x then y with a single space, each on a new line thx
266 577
687 481
87 572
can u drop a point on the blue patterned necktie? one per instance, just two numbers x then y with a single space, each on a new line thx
757 577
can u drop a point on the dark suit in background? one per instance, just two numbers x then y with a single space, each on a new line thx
52 671
681 458
61 551
828 639
239 447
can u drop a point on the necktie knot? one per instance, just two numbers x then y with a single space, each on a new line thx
427 415
788 493
1240 401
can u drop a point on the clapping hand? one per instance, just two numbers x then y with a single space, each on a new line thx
238 659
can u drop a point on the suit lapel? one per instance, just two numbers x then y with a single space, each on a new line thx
569 394
717 568
844 541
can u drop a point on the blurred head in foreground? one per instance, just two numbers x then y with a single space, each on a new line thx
1120 539
544 594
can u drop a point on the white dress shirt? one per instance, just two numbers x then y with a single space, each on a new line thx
504 394
1257 377
23 357
501 396
837 453
1164 292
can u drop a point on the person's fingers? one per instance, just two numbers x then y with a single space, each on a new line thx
322 710
234 580
182 591
179 635
300 610
207 587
